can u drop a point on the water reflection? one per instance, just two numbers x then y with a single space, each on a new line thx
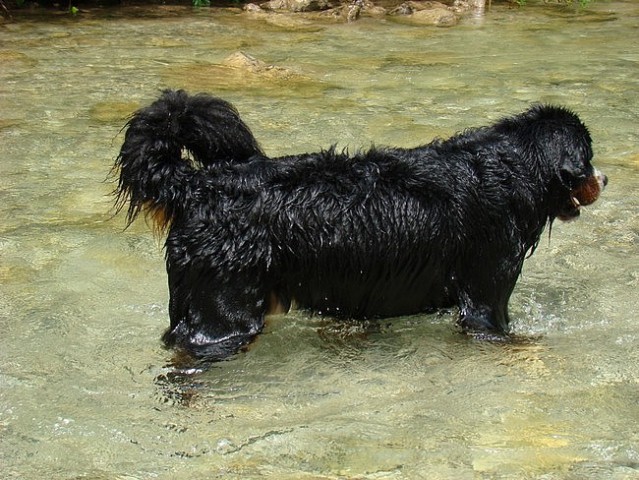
88 391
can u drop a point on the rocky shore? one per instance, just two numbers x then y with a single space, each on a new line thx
445 13
419 12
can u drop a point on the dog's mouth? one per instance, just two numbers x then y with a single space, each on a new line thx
586 194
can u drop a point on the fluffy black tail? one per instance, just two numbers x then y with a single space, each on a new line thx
154 176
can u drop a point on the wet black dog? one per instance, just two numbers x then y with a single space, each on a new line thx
382 233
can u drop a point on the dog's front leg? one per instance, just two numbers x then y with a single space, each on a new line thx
212 318
485 313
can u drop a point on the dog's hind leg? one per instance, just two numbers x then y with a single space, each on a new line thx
213 318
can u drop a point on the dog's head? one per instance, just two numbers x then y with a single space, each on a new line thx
559 145
569 150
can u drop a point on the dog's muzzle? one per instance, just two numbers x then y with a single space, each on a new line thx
586 194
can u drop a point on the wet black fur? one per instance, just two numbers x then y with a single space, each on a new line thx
386 232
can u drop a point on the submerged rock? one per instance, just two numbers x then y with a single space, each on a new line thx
8 123
437 17
297 5
249 63
112 112
427 13
242 69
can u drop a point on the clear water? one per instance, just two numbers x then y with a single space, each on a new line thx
86 389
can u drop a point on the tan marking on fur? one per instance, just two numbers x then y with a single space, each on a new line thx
158 219
275 305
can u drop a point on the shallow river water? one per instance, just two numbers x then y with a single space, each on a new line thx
86 389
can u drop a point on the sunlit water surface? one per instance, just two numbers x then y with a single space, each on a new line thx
86 389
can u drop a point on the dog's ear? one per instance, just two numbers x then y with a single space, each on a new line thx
568 146
574 166
562 139
573 170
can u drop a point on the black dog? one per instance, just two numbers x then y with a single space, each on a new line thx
382 233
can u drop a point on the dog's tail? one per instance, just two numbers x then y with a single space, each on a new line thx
168 143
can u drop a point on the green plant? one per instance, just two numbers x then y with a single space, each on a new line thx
201 3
